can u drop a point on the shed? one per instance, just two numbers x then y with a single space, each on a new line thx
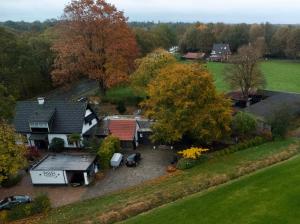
62 169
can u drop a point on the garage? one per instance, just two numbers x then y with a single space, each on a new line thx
64 169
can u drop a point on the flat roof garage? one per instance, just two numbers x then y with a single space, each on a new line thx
64 169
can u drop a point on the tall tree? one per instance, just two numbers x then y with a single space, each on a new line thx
11 154
149 67
7 104
244 72
184 102
293 44
95 41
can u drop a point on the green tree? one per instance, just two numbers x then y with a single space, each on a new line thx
244 124
7 104
12 155
108 147
149 67
184 102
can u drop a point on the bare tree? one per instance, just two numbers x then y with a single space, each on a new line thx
244 73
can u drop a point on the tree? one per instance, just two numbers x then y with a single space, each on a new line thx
244 124
278 42
184 103
94 41
109 146
293 44
7 104
75 138
149 67
280 121
12 155
57 145
244 72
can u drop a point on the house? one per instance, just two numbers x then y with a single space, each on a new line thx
193 56
131 130
63 169
42 120
220 52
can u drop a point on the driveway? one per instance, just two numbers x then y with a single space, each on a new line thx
152 165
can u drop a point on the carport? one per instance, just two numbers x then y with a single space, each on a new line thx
63 169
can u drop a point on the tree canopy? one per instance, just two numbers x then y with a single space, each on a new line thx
11 154
184 103
94 41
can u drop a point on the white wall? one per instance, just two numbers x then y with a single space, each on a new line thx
87 127
48 177
62 136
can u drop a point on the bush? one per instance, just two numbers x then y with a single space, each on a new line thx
244 124
57 145
92 145
11 181
184 164
280 122
33 153
192 153
40 204
121 108
109 146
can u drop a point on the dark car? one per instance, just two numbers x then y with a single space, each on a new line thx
133 160
10 202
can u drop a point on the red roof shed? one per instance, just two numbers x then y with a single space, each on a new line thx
123 129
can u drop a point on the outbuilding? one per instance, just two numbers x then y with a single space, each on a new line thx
64 169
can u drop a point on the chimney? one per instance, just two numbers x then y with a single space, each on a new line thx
41 100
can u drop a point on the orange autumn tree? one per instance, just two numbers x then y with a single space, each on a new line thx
94 41
184 103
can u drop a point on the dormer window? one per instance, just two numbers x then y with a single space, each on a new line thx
38 125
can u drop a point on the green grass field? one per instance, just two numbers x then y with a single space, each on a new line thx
80 212
269 196
281 75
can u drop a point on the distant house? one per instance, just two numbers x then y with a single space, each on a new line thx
220 52
43 120
193 56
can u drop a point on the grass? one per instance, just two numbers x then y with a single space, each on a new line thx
270 196
281 75
91 209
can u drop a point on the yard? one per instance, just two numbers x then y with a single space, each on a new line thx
91 210
269 196
281 75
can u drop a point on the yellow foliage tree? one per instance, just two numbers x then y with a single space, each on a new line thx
149 67
184 102
192 153
11 154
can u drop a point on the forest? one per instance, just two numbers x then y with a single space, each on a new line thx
27 56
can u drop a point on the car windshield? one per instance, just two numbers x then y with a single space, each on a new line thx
5 200
131 157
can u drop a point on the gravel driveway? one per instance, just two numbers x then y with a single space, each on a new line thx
152 165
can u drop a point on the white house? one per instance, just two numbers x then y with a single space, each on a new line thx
43 120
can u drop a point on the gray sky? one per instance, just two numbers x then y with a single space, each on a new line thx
229 11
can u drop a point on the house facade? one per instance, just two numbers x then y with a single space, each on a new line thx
220 53
43 120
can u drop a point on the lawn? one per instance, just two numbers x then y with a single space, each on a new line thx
281 75
269 196
92 209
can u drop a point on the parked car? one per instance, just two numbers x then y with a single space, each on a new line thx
133 160
10 202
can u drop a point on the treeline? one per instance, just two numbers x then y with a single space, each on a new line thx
25 61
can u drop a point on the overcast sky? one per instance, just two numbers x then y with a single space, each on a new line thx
229 11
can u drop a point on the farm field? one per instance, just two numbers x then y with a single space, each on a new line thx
269 196
92 209
281 75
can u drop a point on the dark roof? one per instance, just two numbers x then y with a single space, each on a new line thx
99 130
68 116
221 49
144 124
42 115
275 101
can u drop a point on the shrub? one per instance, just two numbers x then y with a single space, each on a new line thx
11 181
121 108
33 153
184 164
75 138
40 204
57 145
92 145
244 124
280 122
109 146
192 153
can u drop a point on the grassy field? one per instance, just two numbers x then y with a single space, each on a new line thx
270 196
281 75
92 209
